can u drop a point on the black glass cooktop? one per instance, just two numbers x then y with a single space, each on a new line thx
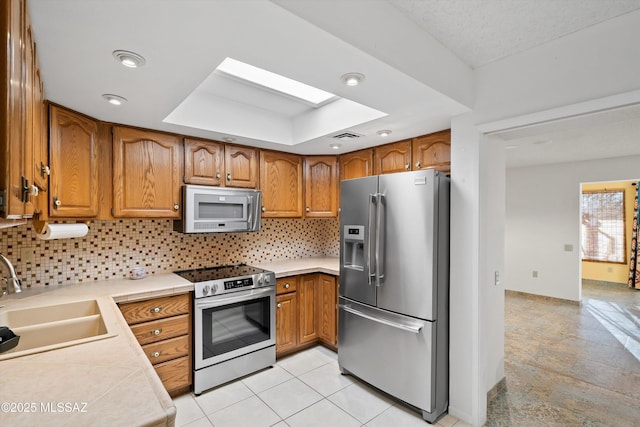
217 273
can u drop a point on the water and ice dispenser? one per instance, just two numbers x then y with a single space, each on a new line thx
354 256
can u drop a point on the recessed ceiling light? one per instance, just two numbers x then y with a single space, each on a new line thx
384 133
129 59
114 99
352 79
228 139
335 146
274 82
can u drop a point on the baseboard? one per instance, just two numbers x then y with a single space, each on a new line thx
508 292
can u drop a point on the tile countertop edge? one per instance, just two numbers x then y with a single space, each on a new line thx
293 267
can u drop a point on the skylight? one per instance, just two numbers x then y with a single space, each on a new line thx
274 81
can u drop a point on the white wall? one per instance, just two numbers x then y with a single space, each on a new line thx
542 215
477 251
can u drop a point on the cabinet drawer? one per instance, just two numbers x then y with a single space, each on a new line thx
158 330
175 373
286 284
157 308
162 351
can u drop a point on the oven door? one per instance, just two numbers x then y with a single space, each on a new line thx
228 326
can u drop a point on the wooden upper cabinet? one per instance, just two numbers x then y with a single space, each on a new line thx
321 186
281 184
40 135
203 162
391 158
241 165
356 164
432 151
73 188
147 174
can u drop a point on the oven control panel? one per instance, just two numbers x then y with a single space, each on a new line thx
239 283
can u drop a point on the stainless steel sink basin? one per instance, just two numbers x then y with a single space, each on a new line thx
55 326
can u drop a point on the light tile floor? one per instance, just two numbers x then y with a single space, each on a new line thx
302 390
571 365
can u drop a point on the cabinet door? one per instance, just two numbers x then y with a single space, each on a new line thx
327 309
432 151
241 165
308 308
203 162
74 165
356 164
281 184
147 174
392 158
321 186
12 115
40 143
286 322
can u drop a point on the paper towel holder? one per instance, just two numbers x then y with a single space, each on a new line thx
40 226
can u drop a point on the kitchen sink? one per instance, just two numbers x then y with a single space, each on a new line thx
51 313
55 326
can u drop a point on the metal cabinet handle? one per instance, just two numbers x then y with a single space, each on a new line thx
418 165
407 166
263 209
156 310
176 206
44 170
308 209
155 354
228 177
217 175
279 305
156 331
56 203
287 286
34 191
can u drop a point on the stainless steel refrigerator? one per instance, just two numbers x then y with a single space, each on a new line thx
393 325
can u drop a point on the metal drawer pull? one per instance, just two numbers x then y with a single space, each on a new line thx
415 329
228 177
287 286
217 175
156 331
156 309
156 354
279 305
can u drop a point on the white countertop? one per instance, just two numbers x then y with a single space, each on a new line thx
106 382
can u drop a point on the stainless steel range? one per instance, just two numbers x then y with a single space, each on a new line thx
234 323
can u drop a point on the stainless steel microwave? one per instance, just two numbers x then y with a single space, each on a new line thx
219 210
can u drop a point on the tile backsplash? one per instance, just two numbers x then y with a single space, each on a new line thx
112 248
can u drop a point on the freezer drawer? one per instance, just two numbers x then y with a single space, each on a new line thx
392 352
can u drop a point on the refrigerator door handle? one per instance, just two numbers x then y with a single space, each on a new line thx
370 273
379 239
416 329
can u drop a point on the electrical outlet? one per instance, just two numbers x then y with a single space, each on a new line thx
26 255
496 278
535 274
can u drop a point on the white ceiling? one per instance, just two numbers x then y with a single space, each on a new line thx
184 41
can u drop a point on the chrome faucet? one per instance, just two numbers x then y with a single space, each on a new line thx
14 285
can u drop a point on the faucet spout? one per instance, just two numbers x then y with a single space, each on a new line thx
14 285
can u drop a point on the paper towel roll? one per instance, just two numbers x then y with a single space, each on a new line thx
63 231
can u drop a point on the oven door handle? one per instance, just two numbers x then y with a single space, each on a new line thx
214 301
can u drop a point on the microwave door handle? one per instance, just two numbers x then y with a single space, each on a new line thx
250 209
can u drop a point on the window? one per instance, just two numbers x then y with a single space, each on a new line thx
603 230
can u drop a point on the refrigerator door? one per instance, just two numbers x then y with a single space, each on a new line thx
357 216
407 271
392 352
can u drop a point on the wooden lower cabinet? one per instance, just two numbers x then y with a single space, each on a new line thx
306 312
162 327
